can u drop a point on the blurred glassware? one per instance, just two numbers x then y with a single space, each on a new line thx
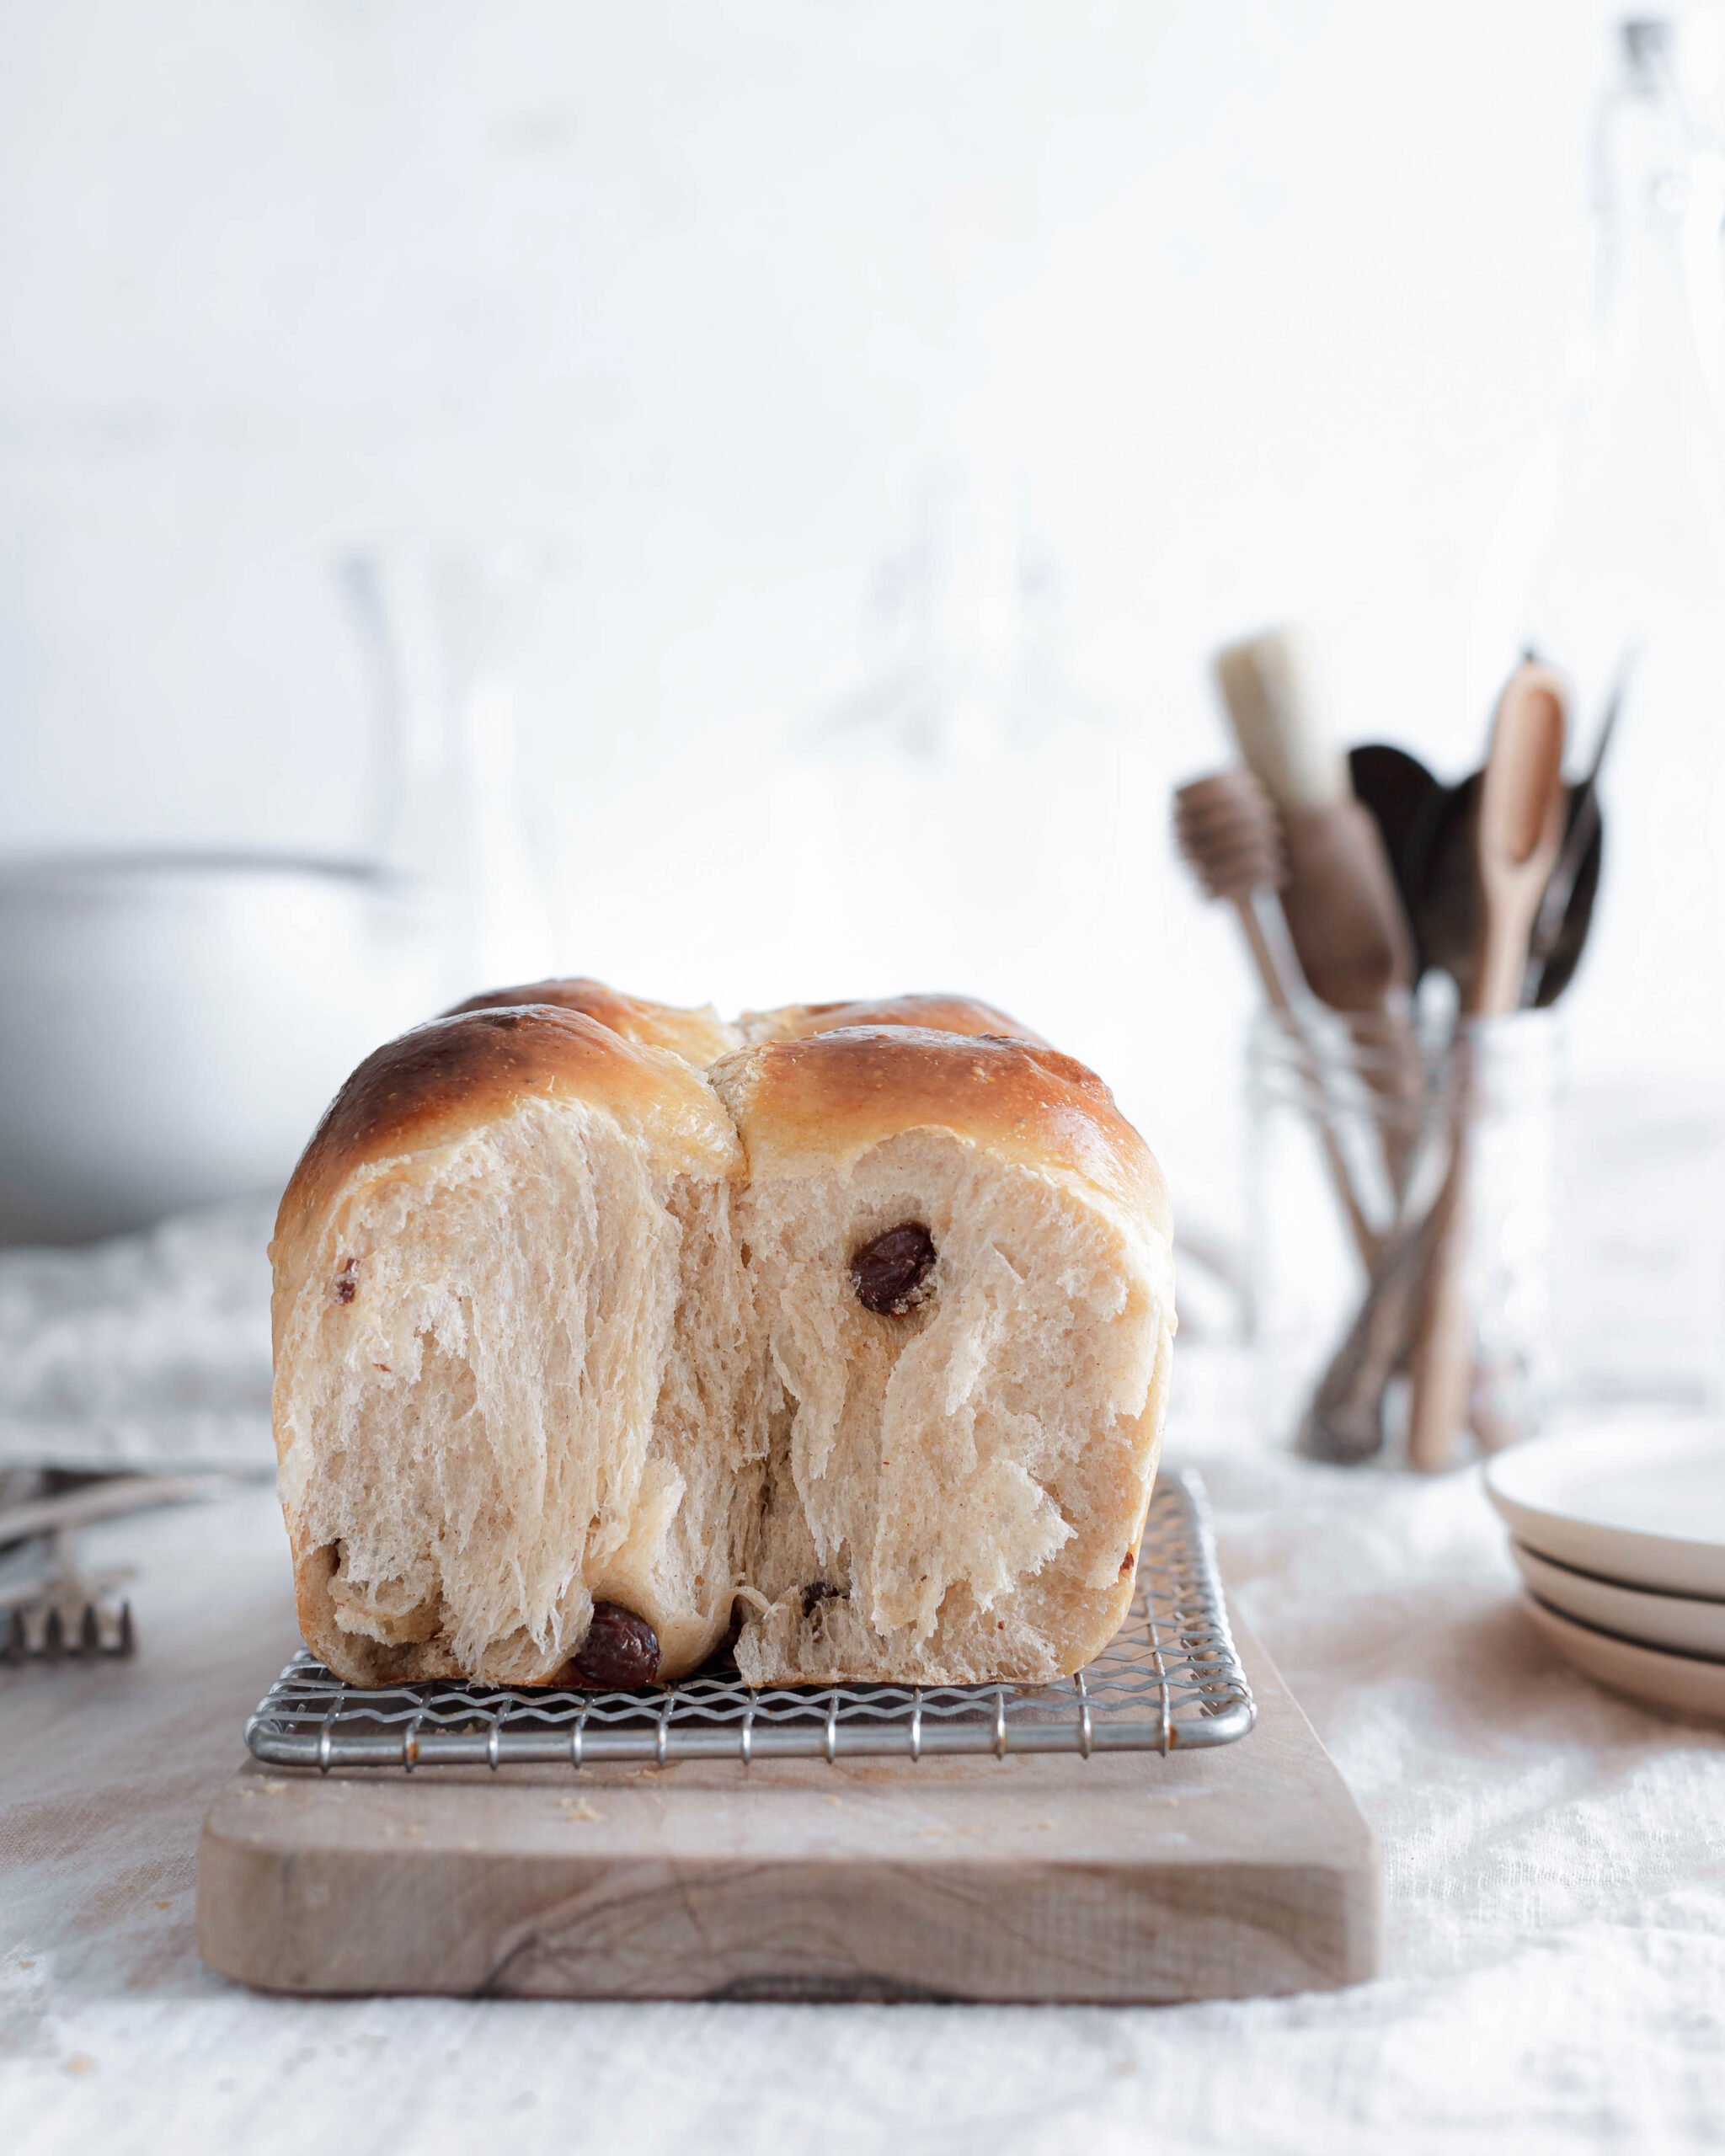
964 815
443 632
172 1023
1318 1087
1613 541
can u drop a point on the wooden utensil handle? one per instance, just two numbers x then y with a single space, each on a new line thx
1275 703
1344 1421
1442 1362
1267 939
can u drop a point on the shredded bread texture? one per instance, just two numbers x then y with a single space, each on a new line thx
564 1319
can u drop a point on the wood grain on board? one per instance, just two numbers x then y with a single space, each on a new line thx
1127 1878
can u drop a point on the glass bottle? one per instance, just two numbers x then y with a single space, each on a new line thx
1611 563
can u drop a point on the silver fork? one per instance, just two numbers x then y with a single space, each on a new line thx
59 1610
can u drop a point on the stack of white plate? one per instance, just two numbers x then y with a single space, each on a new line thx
1620 1533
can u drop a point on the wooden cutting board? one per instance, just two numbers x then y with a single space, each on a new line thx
1126 1877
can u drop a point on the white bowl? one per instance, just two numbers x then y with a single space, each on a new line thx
171 1026
1677 1621
1683 1684
1639 1502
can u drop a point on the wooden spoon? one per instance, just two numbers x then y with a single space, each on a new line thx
1435 865
1522 810
1523 805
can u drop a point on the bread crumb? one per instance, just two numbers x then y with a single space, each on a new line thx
80 2063
415 1834
164 1905
577 1807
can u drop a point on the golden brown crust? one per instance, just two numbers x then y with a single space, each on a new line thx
801 1101
442 1079
699 1036
830 1096
940 1014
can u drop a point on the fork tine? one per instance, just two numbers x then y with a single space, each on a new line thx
89 1630
12 1638
127 1640
54 1636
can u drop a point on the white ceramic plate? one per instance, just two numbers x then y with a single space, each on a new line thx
1676 1621
1680 1681
1642 1503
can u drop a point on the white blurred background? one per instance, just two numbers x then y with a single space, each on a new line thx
908 397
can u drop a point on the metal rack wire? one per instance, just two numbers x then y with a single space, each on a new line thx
1169 1679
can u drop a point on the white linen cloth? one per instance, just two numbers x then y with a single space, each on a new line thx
1555 1960
150 1351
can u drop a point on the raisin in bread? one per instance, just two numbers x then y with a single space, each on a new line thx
586 1353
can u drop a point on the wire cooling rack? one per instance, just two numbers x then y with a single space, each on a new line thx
1169 1679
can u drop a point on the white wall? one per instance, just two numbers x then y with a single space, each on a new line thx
1224 311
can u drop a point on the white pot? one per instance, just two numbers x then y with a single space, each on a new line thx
172 1026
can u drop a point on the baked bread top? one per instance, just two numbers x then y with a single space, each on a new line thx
697 1035
855 1071
941 1014
701 1036
828 1097
458 1074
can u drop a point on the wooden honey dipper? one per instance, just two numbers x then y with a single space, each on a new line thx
1229 834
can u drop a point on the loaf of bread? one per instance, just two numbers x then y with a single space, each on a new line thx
607 1332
